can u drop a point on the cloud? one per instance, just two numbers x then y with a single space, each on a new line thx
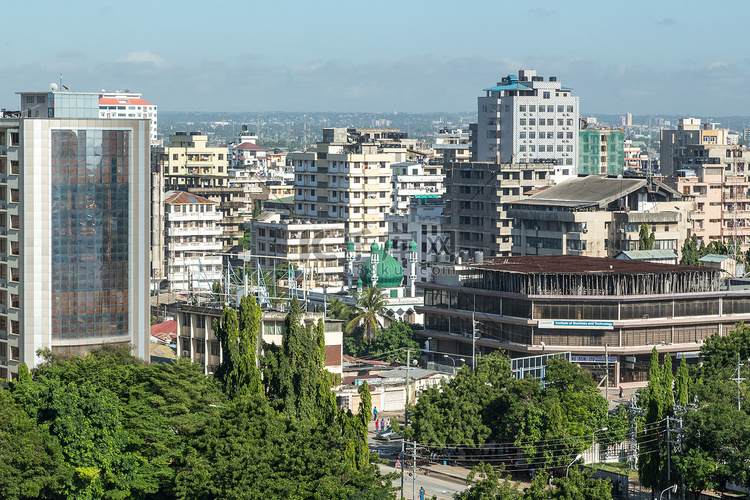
542 13
70 54
144 57
667 21
718 64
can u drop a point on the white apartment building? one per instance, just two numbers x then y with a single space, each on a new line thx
525 119
192 233
344 182
246 155
415 181
318 247
129 105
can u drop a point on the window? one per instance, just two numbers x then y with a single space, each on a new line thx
560 108
532 135
522 135
550 121
522 121
570 109
522 108
532 108
545 95
532 121
550 108
175 157
221 156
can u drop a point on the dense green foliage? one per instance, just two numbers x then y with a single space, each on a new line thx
690 251
716 436
109 426
547 425
491 485
389 345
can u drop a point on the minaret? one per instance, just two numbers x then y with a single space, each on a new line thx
374 260
349 262
413 266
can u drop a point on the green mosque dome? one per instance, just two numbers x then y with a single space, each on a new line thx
390 272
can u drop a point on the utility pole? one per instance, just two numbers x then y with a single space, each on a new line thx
408 363
606 375
669 461
402 468
414 471
473 342
738 380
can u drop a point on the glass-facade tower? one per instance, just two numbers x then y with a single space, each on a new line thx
75 226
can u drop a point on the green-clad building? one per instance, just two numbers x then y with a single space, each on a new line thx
601 151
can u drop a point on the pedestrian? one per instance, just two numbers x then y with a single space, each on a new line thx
374 413
382 424
421 493
377 424
620 391
551 477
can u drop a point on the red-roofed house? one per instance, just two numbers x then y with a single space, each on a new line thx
128 105
245 154
165 332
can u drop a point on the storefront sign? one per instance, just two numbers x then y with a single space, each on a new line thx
581 324
592 359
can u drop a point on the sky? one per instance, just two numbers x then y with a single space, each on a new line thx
683 57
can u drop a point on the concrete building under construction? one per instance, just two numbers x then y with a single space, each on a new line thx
603 311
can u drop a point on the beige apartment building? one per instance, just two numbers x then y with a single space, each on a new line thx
316 247
597 216
345 182
478 195
675 151
189 164
722 202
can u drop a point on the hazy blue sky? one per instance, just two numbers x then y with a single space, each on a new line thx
659 56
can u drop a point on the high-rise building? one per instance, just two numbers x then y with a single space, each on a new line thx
677 147
345 182
74 229
129 105
525 119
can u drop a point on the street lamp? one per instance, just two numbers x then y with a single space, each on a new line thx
454 361
576 459
673 488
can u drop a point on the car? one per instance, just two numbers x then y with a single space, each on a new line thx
388 436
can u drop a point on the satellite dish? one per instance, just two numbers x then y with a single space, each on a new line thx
53 87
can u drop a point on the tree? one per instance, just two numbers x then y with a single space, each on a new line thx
248 449
369 308
689 252
486 483
645 240
683 382
32 463
390 344
651 459
716 247
293 375
338 309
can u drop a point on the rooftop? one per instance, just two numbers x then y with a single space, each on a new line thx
575 264
183 198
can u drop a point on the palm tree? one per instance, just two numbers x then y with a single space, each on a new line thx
338 309
368 309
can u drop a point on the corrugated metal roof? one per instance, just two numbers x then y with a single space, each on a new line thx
714 258
650 254
561 264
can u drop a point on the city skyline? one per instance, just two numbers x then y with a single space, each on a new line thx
411 57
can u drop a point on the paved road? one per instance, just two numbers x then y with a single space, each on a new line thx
441 487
